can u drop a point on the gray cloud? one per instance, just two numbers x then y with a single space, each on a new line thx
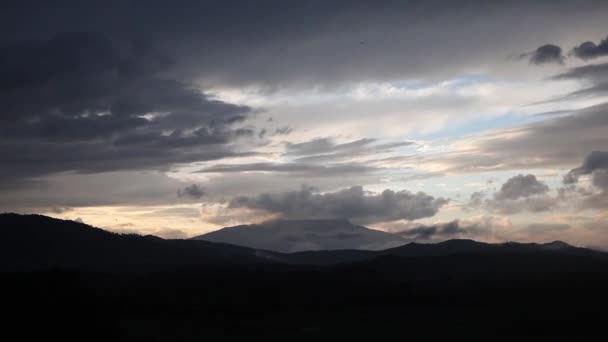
192 191
323 145
594 76
316 42
593 73
285 130
544 227
595 161
530 146
96 104
162 232
67 190
352 203
589 50
546 54
534 204
600 179
519 193
61 210
596 165
295 169
424 232
521 186
322 150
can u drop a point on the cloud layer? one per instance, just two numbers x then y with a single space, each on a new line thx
354 204
83 102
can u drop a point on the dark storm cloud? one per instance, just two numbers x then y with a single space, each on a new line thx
311 42
310 170
545 54
353 203
84 102
442 230
521 186
192 191
589 50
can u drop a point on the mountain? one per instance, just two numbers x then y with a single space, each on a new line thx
450 248
112 287
289 236
35 242
32 242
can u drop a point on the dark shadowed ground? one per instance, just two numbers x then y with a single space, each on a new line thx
472 293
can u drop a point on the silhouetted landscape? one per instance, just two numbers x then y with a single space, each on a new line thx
310 170
73 280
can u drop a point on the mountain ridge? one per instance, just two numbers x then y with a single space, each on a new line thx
288 236
34 242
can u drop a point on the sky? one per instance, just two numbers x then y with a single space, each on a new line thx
432 119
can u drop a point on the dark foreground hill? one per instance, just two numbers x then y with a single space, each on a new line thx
456 290
35 242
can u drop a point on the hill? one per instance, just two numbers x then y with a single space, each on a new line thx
74 282
35 242
305 235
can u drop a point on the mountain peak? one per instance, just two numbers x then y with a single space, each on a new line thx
326 220
557 244
305 235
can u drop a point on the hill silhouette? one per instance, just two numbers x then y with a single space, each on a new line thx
35 242
72 281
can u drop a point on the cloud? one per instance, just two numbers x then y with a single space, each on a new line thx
445 230
543 227
596 165
353 203
323 145
60 210
100 104
528 146
594 76
546 54
163 232
521 186
589 50
486 228
193 191
321 150
68 190
316 42
295 169
595 161
519 193
285 130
